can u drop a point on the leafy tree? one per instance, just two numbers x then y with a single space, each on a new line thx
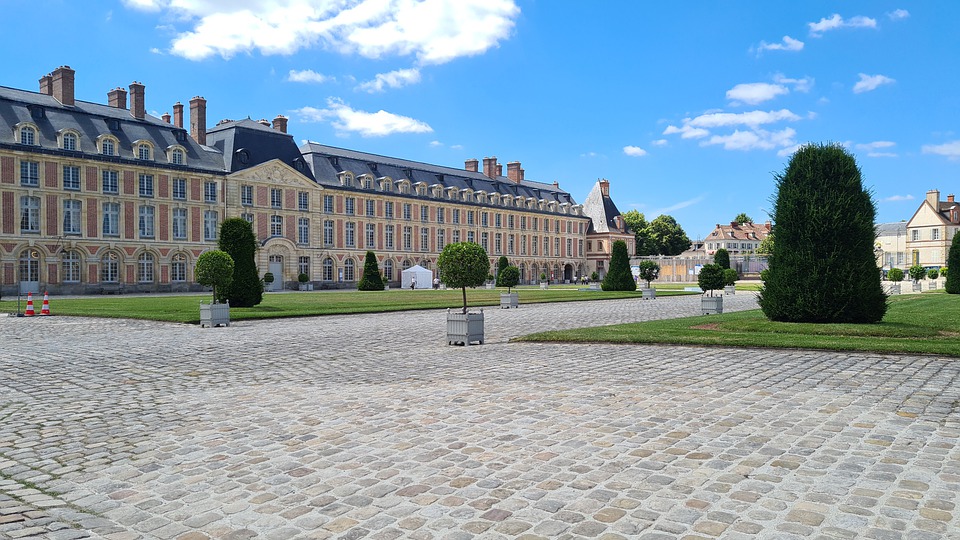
594 276
649 271
895 274
667 236
823 268
509 277
502 263
710 278
371 279
619 278
742 218
638 224
933 273
953 261
766 245
238 240
730 276
463 264
215 269
722 257
917 272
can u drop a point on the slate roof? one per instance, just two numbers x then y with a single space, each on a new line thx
891 229
91 120
246 143
602 212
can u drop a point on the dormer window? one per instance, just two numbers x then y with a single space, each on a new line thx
143 151
28 135
176 157
69 141
108 148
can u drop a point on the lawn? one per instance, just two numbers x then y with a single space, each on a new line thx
185 309
927 323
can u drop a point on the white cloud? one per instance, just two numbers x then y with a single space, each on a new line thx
634 151
898 14
685 131
875 145
871 82
432 31
307 76
836 21
896 198
751 118
881 154
435 144
678 206
754 93
348 120
659 142
155 50
393 79
950 149
754 139
788 151
788 44
456 146
799 85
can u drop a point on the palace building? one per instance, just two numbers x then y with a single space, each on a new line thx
107 198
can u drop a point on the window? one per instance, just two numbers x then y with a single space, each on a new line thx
387 270
556 226
146 222
69 141
471 237
145 268
388 237
71 217
934 234
456 236
523 244
70 266
569 247
180 189
440 215
510 221
210 192
484 219
210 219
469 217
371 207
424 238
178 268
485 241
248 217
327 269
407 211
350 234
534 245
276 198
408 238
303 200
328 233
349 273
246 195
915 235
371 235
303 231
108 147
146 185
328 204
510 245
111 219
179 223
303 266
110 267
579 248
533 224
424 214
29 214
350 204
441 239
388 209
29 173
456 216
176 157
498 220
498 243
276 225
111 181
143 151
28 136
387 184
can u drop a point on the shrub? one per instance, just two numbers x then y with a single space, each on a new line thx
917 272
371 280
933 273
543 276
895 274
722 258
268 277
953 261
729 276
649 271
509 277
619 277
822 266
502 263
303 278
710 278
239 241
764 274
463 264
594 276
215 269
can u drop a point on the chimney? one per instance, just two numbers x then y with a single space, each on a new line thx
280 123
264 122
63 85
933 197
513 171
604 187
490 166
178 114
472 165
499 170
117 98
46 84
521 175
137 107
198 119
950 198
166 117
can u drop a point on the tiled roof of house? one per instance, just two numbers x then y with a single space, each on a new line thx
740 231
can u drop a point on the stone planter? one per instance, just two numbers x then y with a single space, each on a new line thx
544 284
464 328
306 286
932 286
730 289
490 285
895 288
711 305
594 286
917 287
214 314
509 300
649 294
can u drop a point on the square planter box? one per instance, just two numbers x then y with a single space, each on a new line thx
509 300
306 286
544 284
932 286
649 294
711 305
490 285
895 288
917 287
730 289
464 329
214 314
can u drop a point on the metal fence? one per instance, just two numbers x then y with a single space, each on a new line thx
682 269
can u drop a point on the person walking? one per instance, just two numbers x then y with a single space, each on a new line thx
413 283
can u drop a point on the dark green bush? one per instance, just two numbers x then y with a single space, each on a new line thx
917 272
502 263
371 280
933 273
730 276
462 265
648 271
237 239
215 269
722 257
619 277
895 274
710 278
508 277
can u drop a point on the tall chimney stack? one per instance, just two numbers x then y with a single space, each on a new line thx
490 166
46 84
137 106
178 114
198 119
280 123
513 171
166 117
63 85
472 165
117 98
499 170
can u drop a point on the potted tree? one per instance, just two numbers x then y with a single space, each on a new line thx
215 269
711 279
594 281
729 281
304 281
933 274
543 280
267 280
490 282
509 277
917 273
464 264
896 276
649 271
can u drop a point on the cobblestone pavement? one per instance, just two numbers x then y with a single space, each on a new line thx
372 427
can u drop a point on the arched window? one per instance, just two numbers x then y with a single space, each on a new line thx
327 269
349 273
29 266
108 147
388 270
178 268
28 135
70 266
110 267
176 157
143 151
145 268
69 141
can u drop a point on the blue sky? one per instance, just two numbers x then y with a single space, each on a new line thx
688 108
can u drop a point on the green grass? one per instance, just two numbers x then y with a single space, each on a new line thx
185 309
926 323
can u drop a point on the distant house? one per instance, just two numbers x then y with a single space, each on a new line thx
736 238
891 245
931 229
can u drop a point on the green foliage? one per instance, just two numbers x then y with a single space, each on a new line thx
637 223
649 271
766 245
895 274
543 276
303 278
215 269
933 273
371 280
502 263
667 236
823 268
619 278
463 264
594 276
722 257
268 277
238 240
710 278
509 277
729 276
917 272
742 218
953 261
764 274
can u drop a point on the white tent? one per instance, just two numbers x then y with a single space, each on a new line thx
423 276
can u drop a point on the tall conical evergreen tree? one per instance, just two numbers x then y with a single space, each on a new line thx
953 266
502 263
823 268
371 279
238 240
618 277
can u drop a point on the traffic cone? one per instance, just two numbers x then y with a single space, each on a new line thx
29 312
45 308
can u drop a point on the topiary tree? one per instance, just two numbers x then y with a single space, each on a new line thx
917 272
509 277
594 276
722 257
371 279
649 271
953 261
730 276
823 267
895 274
215 269
502 263
710 278
238 240
618 277
933 273
463 264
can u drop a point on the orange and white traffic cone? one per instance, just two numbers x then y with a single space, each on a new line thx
29 312
45 308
